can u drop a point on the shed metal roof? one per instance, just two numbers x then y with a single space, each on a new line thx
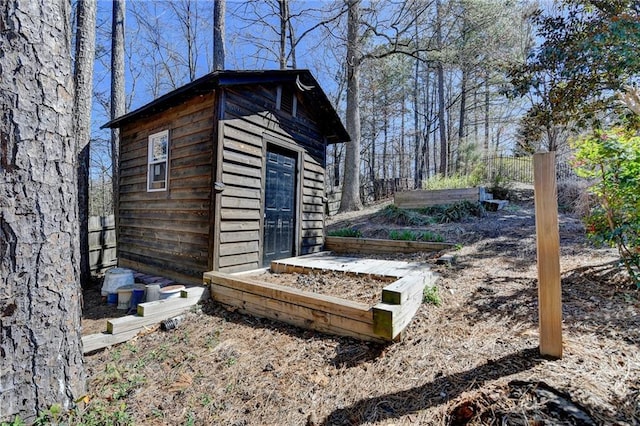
328 119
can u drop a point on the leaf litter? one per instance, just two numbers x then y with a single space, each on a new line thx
473 360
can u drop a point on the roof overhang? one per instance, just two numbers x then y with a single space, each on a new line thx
327 117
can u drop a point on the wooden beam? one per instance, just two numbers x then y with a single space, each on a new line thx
93 342
301 316
135 322
548 245
159 306
370 245
400 302
404 289
421 198
319 302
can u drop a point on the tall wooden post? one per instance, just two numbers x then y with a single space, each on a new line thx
548 244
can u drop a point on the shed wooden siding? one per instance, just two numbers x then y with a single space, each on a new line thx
247 125
167 232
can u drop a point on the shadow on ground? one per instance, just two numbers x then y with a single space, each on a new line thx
439 391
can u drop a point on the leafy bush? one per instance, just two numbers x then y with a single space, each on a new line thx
573 197
431 296
501 186
612 159
400 216
403 235
407 235
456 212
452 182
431 236
346 232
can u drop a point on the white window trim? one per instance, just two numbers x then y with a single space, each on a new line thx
151 162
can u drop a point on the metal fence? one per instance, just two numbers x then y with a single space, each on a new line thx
520 169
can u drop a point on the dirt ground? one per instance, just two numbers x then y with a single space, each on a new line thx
472 360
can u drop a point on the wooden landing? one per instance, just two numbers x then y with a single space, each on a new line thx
392 269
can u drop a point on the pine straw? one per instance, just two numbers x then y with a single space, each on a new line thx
472 360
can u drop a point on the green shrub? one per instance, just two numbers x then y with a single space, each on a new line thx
345 232
431 296
450 182
456 212
400 216
407 235
612 159
403 235
431 236
17 421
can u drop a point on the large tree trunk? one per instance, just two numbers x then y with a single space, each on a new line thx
40 346
83 83
292 38
417 164
463 107
219 7
284 20
444 145
487 111
351 187
117 90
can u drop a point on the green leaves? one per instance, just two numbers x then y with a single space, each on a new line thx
611 159
589 52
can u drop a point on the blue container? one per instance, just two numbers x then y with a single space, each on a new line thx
136 297
112 298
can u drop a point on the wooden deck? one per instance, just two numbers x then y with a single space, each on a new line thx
327 261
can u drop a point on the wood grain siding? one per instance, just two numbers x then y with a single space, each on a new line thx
167 232
249 114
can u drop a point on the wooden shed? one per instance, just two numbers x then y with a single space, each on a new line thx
225 173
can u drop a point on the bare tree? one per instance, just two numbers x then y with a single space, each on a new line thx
444 143
83 82
270 28
351 188
187 14
219 9
40 341
117 87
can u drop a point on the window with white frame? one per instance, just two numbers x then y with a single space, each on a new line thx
158 161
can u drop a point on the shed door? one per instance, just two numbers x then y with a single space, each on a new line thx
279 220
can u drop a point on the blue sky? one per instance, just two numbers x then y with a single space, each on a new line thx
245 48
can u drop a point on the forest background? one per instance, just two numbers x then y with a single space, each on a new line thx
434 79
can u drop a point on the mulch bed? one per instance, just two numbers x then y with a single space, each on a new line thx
358 288
473 360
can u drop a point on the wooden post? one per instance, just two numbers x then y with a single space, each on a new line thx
548 244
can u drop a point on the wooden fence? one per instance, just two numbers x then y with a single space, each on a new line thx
102 243
424 198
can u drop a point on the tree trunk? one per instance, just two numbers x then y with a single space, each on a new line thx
40 346
284 19
487 111
425 168
463 107
117 91
385 133
219 7
374 128
292 38
441 105
83 83
351 187
401 168
417 163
